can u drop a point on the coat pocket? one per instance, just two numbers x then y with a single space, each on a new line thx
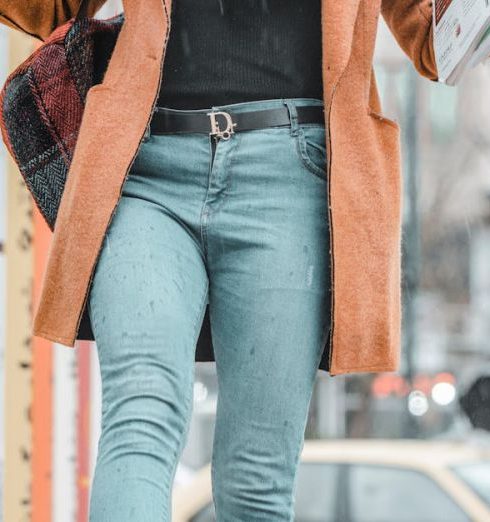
386 182
383 118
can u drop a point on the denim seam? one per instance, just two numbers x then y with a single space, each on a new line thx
184 431
301 148
229 169
205 208
315 366
195 328
188 229
297 133
189 399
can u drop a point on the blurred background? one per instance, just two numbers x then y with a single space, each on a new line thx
411 446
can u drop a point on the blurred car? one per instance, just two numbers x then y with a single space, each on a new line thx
358 480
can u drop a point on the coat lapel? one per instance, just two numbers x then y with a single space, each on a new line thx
338 21
144 32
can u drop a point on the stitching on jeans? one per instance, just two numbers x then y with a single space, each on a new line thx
189 399
301 146
184 432
228 168
205 208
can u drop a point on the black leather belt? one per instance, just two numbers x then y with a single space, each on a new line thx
222 124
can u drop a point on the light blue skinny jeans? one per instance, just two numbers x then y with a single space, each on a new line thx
245 229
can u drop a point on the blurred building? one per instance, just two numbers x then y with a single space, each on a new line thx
446 150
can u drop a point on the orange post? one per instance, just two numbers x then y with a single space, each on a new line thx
83 430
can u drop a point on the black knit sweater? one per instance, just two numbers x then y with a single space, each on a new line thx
230 51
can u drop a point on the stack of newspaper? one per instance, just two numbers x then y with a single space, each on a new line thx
461 36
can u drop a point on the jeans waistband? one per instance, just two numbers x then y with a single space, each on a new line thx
255 105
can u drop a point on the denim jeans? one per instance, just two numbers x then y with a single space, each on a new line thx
244 228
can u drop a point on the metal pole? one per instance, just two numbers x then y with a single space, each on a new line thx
411 243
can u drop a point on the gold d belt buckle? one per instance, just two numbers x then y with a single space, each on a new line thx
216 131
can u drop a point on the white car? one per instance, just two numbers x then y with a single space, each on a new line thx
371 480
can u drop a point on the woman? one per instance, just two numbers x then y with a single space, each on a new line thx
205 179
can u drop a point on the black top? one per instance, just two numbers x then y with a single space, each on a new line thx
230 51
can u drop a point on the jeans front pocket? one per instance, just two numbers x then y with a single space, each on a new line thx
311 148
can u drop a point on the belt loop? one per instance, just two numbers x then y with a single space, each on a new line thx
293 116
147 134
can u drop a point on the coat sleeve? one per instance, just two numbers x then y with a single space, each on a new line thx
39 18
410 21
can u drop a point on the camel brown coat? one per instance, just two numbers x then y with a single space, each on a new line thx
364 183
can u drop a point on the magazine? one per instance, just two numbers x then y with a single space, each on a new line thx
461 36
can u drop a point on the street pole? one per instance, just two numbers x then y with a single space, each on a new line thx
411 242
